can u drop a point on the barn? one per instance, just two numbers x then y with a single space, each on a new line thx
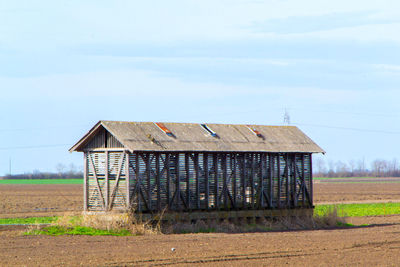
192 168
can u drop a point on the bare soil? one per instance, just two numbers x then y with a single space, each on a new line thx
39 200
377 244
329 192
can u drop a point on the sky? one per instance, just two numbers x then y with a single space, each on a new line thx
333 66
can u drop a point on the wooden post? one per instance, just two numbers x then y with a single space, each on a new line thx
127 180
263 167
225 181
167 166
243 178
252 179
148 176
294 184
216 189
234 167
311 181
85 181
107 182
207 189
187 171
138 183
303 181
287 181
197 177
158 181
279 182
271 180
178 182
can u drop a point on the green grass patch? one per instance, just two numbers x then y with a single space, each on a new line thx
41 181
32 220
76 230
359 210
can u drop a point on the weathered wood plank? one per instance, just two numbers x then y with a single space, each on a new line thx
197 178
278 200
85 181
207 187
107 182
158 181
97 181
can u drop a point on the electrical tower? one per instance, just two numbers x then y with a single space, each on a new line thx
286 118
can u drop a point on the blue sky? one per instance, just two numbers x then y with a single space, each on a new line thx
64 65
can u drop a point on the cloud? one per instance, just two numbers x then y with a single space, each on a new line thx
326 22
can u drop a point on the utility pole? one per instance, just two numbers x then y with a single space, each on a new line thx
10 166
286 118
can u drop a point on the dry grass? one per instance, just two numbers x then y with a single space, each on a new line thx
111 222
136 226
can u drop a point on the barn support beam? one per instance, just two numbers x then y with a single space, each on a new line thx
271 180
85 181
216 185
278 197
127 181
243 179
288 195
158 181
311 180
197 179
107 183
207 188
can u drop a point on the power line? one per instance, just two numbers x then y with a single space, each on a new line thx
30 147
346 128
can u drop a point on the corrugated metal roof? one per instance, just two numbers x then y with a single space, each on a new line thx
147 136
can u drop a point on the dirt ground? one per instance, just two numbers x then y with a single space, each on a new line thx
329 192
377 244
49 200
39 200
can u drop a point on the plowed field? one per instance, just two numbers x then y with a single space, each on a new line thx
377 244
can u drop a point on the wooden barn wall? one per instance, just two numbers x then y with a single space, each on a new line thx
106 180
103 139
219 181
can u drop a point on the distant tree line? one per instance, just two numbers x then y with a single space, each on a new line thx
63 172
356 168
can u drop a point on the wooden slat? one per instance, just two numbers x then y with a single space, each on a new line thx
271 180
279 183
85 182
138 183
252 174
110 204
107 182
216 185
197 178
294 189
234 175
263 167
148 176
128 181
97 181
167 164
288 195
158 181
206 178
224 178
243 178
187 172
